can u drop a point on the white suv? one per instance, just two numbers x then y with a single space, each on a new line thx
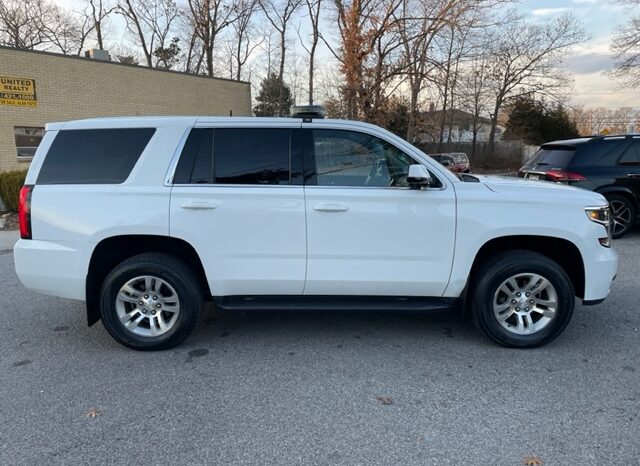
146 218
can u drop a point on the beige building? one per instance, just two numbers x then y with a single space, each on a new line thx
40 87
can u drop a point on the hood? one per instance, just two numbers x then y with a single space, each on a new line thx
544 189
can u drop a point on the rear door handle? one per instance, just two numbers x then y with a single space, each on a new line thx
634 175
331 208
195 205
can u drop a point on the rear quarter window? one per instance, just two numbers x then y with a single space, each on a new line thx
551 157
93 156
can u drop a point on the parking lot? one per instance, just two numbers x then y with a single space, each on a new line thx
338 388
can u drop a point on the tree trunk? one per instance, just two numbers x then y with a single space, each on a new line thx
283 38
99 35
413 112
494 123
209 53
312 54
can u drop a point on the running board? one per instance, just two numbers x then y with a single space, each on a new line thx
333 303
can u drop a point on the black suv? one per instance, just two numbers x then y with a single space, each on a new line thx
609 165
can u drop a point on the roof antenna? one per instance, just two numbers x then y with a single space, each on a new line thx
230 112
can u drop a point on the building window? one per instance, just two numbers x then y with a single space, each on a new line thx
27 140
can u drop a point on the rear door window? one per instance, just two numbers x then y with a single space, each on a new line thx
252 156
93 156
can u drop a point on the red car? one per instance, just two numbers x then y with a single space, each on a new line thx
457 162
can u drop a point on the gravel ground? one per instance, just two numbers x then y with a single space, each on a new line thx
338 388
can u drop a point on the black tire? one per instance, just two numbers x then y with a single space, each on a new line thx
618 201
173 271
491 275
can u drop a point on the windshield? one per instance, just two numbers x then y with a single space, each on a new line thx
460 157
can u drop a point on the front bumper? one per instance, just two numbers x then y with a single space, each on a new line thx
601 268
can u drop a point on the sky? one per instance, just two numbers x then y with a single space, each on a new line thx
590 62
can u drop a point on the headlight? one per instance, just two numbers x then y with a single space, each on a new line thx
601 215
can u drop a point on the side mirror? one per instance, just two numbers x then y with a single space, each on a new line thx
446 163
418 177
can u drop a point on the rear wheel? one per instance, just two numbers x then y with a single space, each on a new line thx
151 301
623 212
522 299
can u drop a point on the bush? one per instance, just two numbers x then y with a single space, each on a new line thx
10 184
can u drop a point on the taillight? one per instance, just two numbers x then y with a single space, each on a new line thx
24 211
561 175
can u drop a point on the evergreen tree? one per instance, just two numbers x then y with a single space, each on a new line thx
168 57
269 95
533 122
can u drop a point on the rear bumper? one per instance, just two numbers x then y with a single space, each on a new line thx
52 268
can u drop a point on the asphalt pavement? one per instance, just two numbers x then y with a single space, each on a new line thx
320 389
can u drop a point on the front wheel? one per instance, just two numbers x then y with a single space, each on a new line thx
151 301
522 299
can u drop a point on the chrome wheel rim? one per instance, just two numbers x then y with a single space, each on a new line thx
525 303
621 216
147 306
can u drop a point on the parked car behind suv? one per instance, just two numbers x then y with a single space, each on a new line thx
146 218
457 162
609 165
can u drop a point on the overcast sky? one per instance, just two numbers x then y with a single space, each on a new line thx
591 61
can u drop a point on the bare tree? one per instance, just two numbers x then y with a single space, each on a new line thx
368 51
474 95
98 11
194 54
422 23
21 24
453 45
242 43
41 24
208 19
602 120
64 31
152 23
525 58
279 13
625 47
313 15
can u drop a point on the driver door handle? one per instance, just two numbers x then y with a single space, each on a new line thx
331 208
634 175
196 205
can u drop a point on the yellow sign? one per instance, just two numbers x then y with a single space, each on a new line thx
18 91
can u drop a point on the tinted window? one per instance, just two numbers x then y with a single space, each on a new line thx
346 158
100 156
196 160
631 156
601 153
251 156
552 157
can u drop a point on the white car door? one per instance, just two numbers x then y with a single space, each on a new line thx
238 200
368 233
